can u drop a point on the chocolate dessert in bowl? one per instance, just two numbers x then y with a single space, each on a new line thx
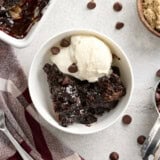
20 20
80 81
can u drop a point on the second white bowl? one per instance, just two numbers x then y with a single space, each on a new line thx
24 42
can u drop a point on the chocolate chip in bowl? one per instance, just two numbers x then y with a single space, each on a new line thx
114 156
149 14
55 50
65 42
73 68
73 101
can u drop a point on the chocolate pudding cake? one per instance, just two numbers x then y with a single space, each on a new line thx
81 95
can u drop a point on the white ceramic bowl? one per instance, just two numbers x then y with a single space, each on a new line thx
21 43
40 94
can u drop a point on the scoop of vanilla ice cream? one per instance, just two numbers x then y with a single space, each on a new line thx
91 55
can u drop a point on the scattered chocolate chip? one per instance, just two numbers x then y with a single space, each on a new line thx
158 73
65 43
117 6
127 119
91 5
119 25
141 139
73 68
55 50
114 156
157 97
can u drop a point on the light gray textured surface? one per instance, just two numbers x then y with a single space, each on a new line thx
143 50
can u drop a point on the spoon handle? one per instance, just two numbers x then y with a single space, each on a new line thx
21 151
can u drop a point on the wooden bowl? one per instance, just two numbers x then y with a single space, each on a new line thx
141 15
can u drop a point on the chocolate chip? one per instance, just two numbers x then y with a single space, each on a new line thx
114 156
119 25
158 73
141 139
127 119
55 50
91 5
117 6
73 68
65 43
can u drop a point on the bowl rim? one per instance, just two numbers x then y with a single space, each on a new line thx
143 20
105 37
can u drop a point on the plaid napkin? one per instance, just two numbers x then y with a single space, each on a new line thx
22 119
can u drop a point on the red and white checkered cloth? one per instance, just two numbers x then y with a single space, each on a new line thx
21 117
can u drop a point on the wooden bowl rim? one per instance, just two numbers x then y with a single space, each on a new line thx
142 18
